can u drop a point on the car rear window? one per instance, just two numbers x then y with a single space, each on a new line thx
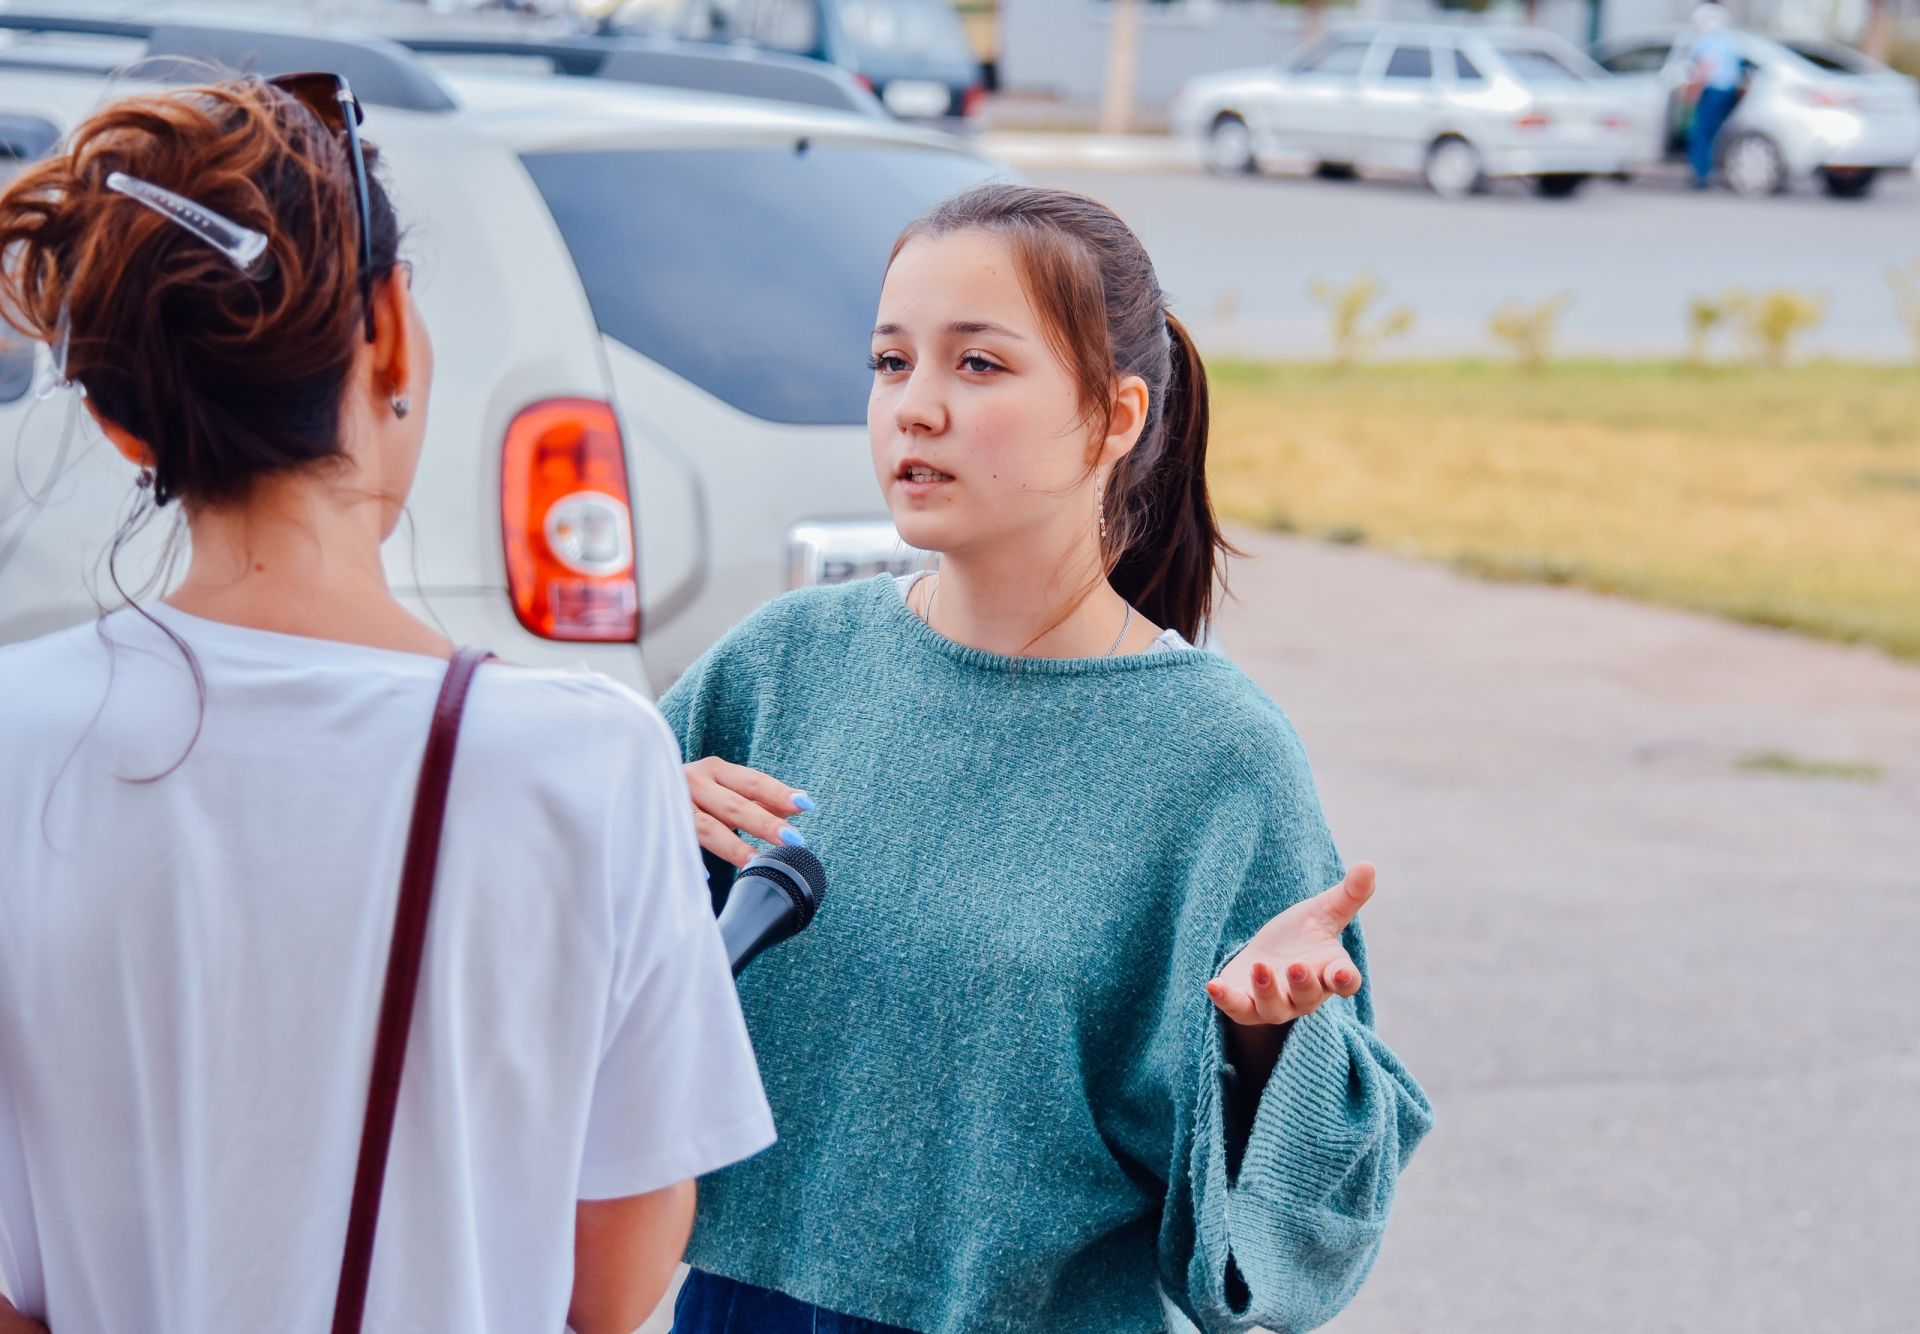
1646 59
16 365
1410 62
1532 65
1340 58
752 271
1829 59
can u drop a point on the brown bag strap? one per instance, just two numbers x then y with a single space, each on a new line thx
403 979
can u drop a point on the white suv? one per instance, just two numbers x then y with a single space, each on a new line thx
650 315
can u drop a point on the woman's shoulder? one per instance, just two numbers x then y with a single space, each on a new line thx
818 608
50 655
1224 725
58 674
570 706
580 741
789 633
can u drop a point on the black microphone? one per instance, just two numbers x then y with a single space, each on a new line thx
774 897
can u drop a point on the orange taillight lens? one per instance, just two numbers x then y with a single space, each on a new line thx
567 523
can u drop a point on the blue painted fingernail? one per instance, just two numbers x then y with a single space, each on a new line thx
802 800
792 837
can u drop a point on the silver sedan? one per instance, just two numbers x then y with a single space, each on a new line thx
1806 109
1458 107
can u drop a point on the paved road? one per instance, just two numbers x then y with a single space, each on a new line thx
1668 1010
1630 255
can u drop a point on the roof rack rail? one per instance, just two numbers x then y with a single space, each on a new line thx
664 62
382 72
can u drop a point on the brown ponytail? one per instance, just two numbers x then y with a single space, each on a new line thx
1106 317
1169 564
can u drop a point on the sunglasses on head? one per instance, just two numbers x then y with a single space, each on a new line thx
333 104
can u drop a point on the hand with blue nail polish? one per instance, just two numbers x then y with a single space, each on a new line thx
730 800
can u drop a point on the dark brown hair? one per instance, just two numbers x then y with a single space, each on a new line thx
225 377
1106 318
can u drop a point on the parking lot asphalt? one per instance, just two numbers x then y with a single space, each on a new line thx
1237 256
1656 974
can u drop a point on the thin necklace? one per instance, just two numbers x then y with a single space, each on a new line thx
1126 625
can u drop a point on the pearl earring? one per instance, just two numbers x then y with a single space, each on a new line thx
1100 504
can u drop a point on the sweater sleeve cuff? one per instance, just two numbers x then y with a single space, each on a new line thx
1337 1098
1337 1120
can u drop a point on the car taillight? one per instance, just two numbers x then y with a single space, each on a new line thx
567 523
1533 120
970 104
863 81
1613 122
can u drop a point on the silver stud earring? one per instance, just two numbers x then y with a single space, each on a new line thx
402 405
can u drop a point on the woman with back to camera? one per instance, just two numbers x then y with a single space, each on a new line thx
1087 1015
205 801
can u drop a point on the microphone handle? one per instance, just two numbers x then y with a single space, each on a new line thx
758 914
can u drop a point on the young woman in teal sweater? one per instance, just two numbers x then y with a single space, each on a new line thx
1084 1019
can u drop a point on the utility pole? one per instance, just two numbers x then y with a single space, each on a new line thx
1877 40
1123 58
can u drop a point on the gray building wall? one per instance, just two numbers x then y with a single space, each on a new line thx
1058 48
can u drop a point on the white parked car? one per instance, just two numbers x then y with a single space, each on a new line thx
650 311
1808 109
1458 106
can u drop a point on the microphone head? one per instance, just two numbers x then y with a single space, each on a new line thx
795 870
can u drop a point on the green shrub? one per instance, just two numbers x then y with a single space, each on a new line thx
1906 296
1528 332
1706 314
1354 339
1768 323
1772 322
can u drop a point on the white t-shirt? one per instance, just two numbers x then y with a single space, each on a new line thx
191 967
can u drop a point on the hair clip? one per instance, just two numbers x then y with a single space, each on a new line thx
54 377
245 247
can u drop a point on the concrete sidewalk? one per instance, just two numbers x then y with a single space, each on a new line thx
1665 1003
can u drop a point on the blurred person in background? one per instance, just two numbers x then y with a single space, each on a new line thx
206 798
1087 1019
1714 80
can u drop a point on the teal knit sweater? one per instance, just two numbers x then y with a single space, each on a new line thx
1002 1093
